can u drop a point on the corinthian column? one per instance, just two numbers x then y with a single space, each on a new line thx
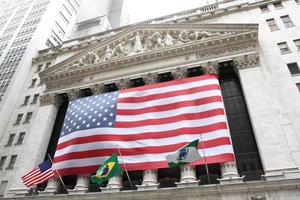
49 104
149 176
82 182
228 169
187 173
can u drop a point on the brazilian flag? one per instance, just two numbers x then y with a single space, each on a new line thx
107 170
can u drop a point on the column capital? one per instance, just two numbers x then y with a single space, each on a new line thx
150 78
211 68
246 61
97 88
123 84
179 73
50 99
74 94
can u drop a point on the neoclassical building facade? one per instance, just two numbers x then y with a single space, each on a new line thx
232 39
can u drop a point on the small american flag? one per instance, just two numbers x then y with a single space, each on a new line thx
146 123
40 174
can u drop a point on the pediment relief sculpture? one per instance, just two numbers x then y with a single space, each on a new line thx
140 42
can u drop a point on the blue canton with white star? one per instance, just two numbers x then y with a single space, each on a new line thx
91 112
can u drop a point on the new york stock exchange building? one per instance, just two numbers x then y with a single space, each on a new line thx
251 49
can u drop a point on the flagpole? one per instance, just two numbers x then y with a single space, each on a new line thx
125 168
206 166
57 173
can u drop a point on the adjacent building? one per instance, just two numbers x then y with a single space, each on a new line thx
253 46
26 27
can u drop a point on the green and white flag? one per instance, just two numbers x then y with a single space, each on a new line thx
107 170
185 155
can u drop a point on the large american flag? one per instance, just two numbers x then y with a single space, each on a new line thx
39 174
146 124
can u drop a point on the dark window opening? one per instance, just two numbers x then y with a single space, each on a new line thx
10 139
244 144
110 87
293 67
137 82
165 77
214 173
195 71
86 92
2 161
12 162
136 178
168 176
20 138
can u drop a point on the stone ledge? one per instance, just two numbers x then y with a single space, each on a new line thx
246 189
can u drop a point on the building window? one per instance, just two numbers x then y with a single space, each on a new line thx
297 43
33 82
278 5
287 21
39 68
241 131
19 118
35 98
165 77
283 47
2 161
110 87
28 118
264 8
12 162
21 138
137 82
10 139
194 71
26 100
298 86
3 188
272 24
293 67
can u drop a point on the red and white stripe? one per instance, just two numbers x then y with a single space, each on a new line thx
36 177
152 122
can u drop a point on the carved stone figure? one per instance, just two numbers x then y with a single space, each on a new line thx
157 40
137 46
89 58
108 53
205 34
168 40
119 50
149 43
194 35
184 37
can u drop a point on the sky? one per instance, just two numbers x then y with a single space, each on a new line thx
140 10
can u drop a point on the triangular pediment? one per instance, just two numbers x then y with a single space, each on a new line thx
140 40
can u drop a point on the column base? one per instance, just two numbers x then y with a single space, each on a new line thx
19 192
187 183
110 189
78 190
147 186
49 191
279 174
231 180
